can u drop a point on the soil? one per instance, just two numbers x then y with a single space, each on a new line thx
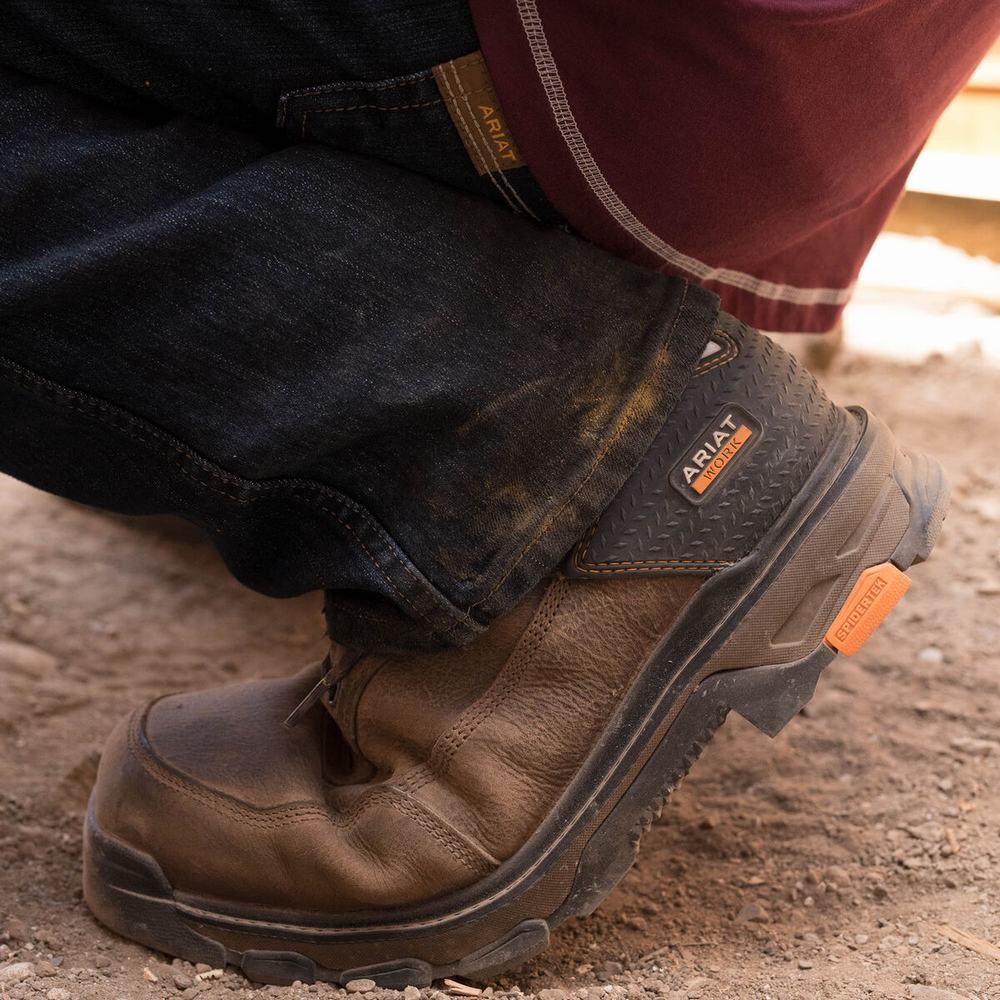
840 860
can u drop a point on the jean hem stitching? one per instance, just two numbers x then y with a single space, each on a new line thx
442 616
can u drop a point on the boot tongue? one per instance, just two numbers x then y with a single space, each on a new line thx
333 669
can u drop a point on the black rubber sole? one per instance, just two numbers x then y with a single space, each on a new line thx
584 849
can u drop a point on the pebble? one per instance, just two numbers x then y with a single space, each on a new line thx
15 928
553 995
835 875
930 654
360 986
695 986
411 993
45 969
932 993
15 972
974 747
183 982
804 963
58 993
988 508
28 660
751 913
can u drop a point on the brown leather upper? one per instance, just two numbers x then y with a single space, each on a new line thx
427 772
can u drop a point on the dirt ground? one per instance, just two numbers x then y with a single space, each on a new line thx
841 860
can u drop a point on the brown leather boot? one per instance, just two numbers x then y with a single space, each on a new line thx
439 814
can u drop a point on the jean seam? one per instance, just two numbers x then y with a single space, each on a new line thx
155 438
497 176
397 82
304 134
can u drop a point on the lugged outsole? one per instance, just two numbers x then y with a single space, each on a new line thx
127 890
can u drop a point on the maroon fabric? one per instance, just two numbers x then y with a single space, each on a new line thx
767 137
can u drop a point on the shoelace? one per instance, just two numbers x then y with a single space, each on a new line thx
335 667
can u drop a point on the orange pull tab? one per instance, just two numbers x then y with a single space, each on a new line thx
875 594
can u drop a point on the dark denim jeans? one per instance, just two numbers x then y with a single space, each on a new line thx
353 376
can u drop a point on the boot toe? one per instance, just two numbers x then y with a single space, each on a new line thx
197 780
234 806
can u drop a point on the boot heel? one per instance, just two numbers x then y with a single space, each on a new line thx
768 697
838 585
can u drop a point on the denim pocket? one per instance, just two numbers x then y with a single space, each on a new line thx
404 120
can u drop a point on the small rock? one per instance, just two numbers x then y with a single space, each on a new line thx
202 967
752 913
553 995
987 507
58 993
360 986
149 975
45 969
102 962
929 832
917 992
861 939
696 985
16 972
974 747
183 982
835 875
29 661
411 993
930 654
15 928
804 963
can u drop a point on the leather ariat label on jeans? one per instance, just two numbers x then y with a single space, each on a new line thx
725 442
472 102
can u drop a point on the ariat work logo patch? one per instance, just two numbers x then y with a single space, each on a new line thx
726 441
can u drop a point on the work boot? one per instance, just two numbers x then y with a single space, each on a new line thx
435 815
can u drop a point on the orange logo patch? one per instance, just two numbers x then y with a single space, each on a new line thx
875 594
740 437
